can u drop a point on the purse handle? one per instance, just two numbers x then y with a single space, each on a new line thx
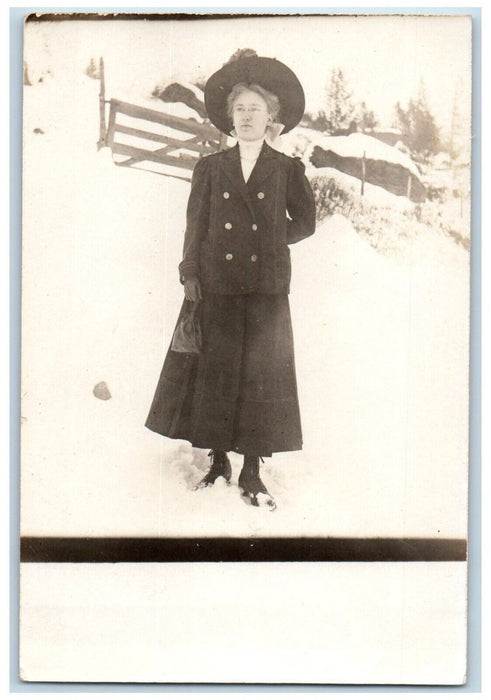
193 307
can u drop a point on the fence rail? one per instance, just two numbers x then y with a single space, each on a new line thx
144 146
145 138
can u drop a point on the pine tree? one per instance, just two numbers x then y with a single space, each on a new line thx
418 125
458 141
365 118
339 105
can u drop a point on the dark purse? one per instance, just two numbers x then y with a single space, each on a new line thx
187 335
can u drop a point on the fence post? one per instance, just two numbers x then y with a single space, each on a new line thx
363 173
102 108
111 127
409 182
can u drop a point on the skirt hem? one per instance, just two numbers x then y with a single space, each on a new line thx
199 444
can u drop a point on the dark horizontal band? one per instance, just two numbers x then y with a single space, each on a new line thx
223 549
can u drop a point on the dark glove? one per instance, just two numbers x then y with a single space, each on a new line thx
192 289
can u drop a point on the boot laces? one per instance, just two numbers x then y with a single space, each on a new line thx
218 462
249 479
252 464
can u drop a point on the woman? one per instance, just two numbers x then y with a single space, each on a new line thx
246 205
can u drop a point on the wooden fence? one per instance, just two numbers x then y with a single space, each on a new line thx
148 139
393 177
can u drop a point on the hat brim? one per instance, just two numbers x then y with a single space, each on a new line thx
270 74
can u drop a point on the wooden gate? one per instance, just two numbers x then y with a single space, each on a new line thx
148 139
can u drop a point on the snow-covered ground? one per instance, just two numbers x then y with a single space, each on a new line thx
381 352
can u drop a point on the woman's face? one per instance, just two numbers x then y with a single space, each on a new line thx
250 115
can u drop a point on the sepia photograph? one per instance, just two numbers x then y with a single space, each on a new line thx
245 343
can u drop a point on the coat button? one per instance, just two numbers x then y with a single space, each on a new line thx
229 256
260 195
253 258
226 195
254 227
228 226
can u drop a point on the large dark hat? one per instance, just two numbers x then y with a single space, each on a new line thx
266 72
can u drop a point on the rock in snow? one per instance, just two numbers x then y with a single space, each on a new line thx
101 391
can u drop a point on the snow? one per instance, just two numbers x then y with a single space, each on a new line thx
297 141
387 130
381 355
352 146
442 161
175 109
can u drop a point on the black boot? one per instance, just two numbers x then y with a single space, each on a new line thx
219 466
251 485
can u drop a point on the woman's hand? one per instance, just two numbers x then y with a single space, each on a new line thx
192 289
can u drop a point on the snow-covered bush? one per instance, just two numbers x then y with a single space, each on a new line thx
435 193
445 216
442 161
380 225
331 198
387 228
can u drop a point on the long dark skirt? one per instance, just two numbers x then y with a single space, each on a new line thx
240 393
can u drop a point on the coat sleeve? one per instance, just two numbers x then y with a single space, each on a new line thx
197 220
300 204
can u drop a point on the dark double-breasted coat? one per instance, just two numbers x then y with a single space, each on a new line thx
240 394
238 233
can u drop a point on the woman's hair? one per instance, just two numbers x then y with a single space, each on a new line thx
270 98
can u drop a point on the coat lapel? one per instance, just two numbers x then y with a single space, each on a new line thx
233 170
265 165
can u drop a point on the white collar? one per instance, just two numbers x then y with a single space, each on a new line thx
250 149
